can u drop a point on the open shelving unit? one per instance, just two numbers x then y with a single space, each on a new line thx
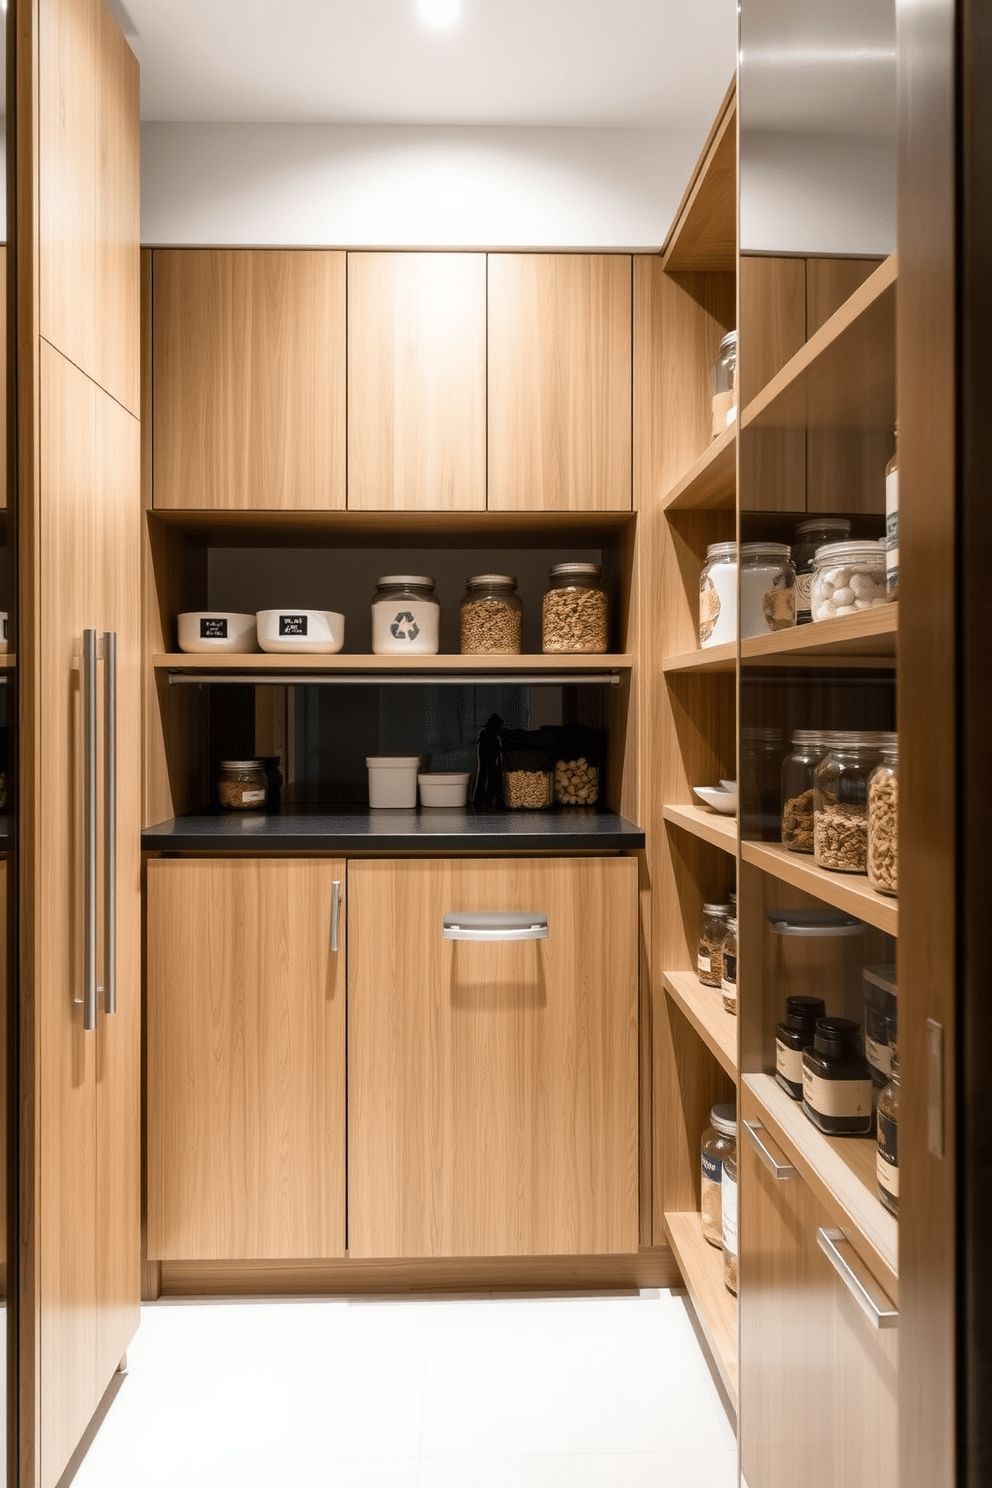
703 1006
720 831
602 667
701 1265
849 892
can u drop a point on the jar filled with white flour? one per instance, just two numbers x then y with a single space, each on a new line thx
718 595
405 616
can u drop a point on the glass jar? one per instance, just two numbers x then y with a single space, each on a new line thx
847 577
798 771
728 982
573 614
881 993
242 785
840 803
723 385
718 1143
491 616
887 1156
892 522
837 1089
811 535
793 1036
718 595
768 588
712 930
528 781
883 813
406 616
728 1220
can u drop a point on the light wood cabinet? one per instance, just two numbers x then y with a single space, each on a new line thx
559 382
417 381
249 379
246 1080
492 1087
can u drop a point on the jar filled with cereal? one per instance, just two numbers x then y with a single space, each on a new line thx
242 785
574 611
883 806
491 616
840 802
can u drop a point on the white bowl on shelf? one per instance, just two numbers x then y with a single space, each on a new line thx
203 631
721 800
306 631
440 789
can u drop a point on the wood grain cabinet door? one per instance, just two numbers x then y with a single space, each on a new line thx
559 382
249 379
492 1086
417 381
245 1098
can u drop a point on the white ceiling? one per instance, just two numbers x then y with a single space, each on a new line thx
662 64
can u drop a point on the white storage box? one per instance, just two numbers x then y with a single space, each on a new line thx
439 789
301 630
216 630
393 781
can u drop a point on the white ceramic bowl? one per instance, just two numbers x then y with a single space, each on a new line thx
438 789
216 630
729 785
300 630
723 801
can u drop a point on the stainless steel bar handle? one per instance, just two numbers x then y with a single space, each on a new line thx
858 1280
110 821
335 912
494 925
769 1154
89 830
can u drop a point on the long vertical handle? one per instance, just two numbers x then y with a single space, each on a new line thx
110 821
335 912
89 830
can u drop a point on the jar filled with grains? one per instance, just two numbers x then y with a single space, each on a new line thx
728 976
491 616
573 614
808 748
242 785
712 930
840 803
718 1143
883 839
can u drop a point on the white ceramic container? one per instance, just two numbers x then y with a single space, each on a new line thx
439 789
216 630
393 781
300 630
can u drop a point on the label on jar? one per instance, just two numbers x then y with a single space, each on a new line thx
411 625
887 1160
293 625
709 609
879 1056
779 607
728 1212
789 1063
729 982
804 612
712 1167
839 1098
253 797
704 964
892 505
210 630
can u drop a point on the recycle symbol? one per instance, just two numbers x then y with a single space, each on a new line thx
404 627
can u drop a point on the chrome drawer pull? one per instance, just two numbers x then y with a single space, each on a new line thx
110 821
858 1280
776 1165
494 925
89 830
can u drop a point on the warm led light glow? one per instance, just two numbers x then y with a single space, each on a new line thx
439 13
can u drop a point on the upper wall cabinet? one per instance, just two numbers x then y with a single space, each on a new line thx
559 382
417 381
89 198
249 379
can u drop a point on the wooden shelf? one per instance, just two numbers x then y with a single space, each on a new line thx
844 376
865 640
704 233
709 659
719 831
262 661
840 1169
701 1265
703 1006
711 483
849 892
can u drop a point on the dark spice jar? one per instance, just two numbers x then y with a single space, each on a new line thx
793 1036
837 1088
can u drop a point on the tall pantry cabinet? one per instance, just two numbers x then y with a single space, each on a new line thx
79 640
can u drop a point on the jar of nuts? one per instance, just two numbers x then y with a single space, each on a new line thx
840 803
798 770
242 785
883 840
491 616
574 610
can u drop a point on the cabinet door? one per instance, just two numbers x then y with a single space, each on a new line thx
492 1087
559 382
817 1381
245 997
249 379
417 381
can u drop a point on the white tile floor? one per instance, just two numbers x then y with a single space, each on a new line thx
588 1392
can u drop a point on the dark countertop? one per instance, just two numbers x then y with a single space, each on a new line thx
436 830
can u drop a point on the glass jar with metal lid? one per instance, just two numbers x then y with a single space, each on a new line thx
768 588
719 1142
573 613
709 958
883 806
840 802
847 577
798 770
242 785
723 385
405 616
718 595
811 535
491 616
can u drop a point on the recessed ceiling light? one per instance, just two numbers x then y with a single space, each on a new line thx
439 13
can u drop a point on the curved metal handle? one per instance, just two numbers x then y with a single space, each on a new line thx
494 925
776 1164
110 821
89 830
858 1279
335 912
